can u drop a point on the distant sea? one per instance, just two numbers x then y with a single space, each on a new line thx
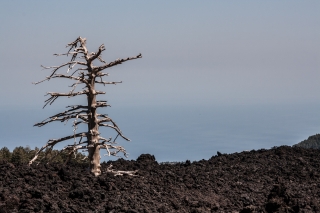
176 133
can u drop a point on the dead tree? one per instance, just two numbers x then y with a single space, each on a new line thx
87 74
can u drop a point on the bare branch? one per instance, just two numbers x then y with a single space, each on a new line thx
64 119
83 46
38 82
75 107
102 104
115 128
73 44
52 142
80 122
75 85
81 49
74 148
114 141
50 100
70 63
120 173
117 150
107 119
76 51
64 116
57 75
74 93
97 54
55 95
100 74
116 62
69 111
104 82
80 78
79 70
101 60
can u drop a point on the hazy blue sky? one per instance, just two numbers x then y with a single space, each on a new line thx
196 55
194 52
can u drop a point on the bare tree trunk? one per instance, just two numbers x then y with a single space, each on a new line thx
93 130
94 157
87 75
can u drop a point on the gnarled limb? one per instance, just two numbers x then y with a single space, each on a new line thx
104 140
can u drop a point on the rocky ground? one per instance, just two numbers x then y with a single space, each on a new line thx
282 179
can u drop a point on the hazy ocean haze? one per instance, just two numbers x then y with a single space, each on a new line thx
176 133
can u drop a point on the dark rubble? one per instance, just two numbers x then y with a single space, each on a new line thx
282 179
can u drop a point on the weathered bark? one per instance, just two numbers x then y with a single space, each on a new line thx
88 115
94 157
93 129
